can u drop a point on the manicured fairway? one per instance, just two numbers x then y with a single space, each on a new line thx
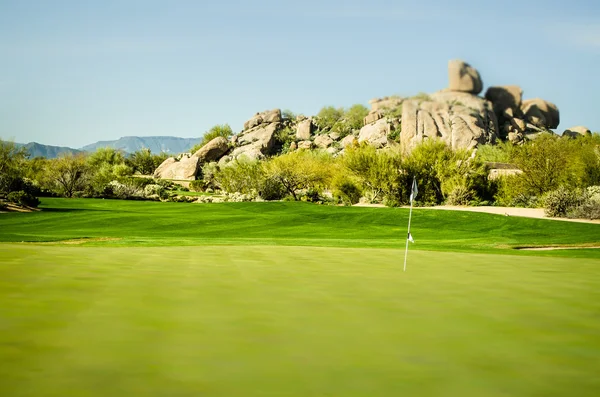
134 223
295 321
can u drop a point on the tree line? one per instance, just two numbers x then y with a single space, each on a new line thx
550 169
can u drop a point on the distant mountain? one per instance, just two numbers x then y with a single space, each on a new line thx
38 150
156 144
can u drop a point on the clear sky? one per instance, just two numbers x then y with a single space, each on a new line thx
75 72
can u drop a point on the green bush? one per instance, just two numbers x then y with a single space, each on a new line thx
23 198
559 202
223 130
3 205
346 192
198 185
589 209
459 195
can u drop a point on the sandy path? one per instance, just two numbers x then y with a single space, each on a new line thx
507 211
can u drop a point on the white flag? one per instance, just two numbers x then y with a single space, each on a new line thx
410 238
413 190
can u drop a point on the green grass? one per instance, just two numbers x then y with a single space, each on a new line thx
293 299
289 223
295 321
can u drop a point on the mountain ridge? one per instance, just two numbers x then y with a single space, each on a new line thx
128 144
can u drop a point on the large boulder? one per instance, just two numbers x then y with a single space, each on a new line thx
577 131
461 120
323 141
304 130
347 140
388 102
505 97
463 77
266 117
375 134
213 150
541 113
257 140
184 169
372 117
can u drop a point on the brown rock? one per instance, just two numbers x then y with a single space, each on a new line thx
372 117
304 130
541 113
213 150
184 169
385 103
268 116
375 134
463 77
505 97
347 140
293 146
461 120
305 145
577 131
323 141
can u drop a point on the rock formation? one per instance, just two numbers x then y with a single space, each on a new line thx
186 168
577 131
456 115
460 119
258 137
463 77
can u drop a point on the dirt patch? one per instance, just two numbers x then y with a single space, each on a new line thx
10 207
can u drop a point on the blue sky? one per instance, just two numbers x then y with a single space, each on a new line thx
75 72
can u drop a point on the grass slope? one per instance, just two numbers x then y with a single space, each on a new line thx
281 223
295 321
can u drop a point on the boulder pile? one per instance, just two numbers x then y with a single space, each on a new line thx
456 115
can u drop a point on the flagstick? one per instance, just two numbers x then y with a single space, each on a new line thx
408 234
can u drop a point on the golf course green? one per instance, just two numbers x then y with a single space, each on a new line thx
127 298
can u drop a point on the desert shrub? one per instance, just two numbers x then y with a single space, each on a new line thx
124 190
155 189
499 153
327 117
300 170
208 175
198 185
241 175
459 195
378 172
283 139
560 201
346 191
589 209
144 162
23 198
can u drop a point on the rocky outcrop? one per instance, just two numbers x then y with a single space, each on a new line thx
541 113
577 131
323 141
213 150
266 117
259 135
459 119
304 130
186 167
375 134
505 97
463 77
348 140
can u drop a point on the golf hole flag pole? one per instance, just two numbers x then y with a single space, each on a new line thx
413 194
